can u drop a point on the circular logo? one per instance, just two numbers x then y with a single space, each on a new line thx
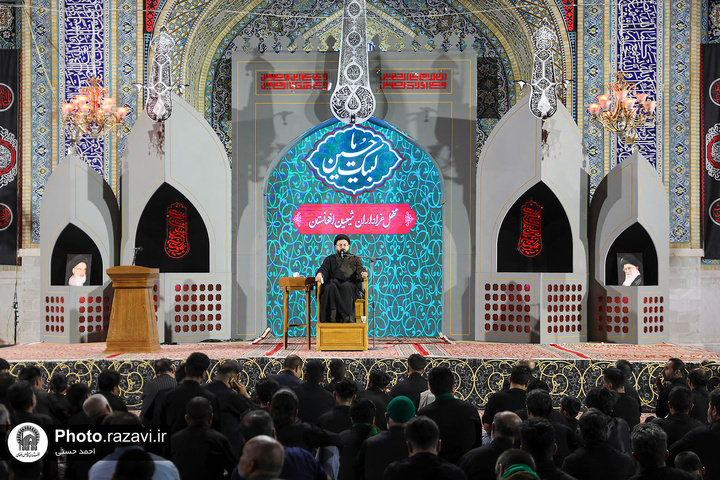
6 97
27 442
6 216
714 212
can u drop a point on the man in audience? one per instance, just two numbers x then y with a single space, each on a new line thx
458 420
377 384
569 408
679 422
673 375
164 379
537 437
423 441
386 447
33 376
337 372
293 433
537 384
199 451
704 441
618 430
262 458
415 384
362 415
596 459
539 405
314 399
512 399
697 383
338 419
233 401
134 465
515 464
649 447
76 395
6 380
96 408
626 368
103 469
291 374
690 462
4 366
298 463
626 407
109 387
57 401
264 391
174 403
479 463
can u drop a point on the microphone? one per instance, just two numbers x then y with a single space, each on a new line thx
135 252
342 253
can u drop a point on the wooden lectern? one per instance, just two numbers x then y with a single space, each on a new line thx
133 328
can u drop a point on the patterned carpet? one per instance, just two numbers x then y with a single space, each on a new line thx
385 348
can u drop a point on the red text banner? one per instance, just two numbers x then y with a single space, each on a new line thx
293 81
411 80
381 218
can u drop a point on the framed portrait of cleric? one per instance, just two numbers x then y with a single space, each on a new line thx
77 269
630 269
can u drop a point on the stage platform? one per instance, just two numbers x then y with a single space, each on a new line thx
480 368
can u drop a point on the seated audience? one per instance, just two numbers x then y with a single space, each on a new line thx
290 431
625 407
388 446
362 415
537 437
377 385
512 399
262 458
697 383
458 420
679 422
618 430
704 441
673 375
298 463
515 464
423 463
109 387
291 374
96 408
337 372
537 384
649 449
415 383
197 450
314 399
264 391
33 375
76 395
626 368
596 459
569 408
690 462
6 379
233 401
57 401
479 463
338 419
134 464
539 405
164 379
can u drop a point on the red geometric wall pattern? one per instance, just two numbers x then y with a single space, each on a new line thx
55 314
653 314
93 313
197 307
507 307
614 314
564 308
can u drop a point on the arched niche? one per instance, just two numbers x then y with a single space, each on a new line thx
551 251
159 233
70 243
634 240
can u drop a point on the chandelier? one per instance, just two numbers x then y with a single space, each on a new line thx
622 110
92 112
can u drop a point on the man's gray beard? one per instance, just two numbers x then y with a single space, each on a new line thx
629 280
80 280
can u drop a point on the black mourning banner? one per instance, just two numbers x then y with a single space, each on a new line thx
9 155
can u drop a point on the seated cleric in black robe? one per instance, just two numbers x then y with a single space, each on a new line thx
341 275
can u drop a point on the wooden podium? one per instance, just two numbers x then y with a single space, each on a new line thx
133 327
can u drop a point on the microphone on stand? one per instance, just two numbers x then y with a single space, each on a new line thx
135 252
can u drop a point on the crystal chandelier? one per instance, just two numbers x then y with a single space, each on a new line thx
92 112
622 110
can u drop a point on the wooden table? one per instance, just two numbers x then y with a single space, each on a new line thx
292 284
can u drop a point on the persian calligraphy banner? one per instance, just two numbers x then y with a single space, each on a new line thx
9 156
710 130
435 80
292 80
381 218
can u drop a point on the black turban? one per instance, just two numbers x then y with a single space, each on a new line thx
342 236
